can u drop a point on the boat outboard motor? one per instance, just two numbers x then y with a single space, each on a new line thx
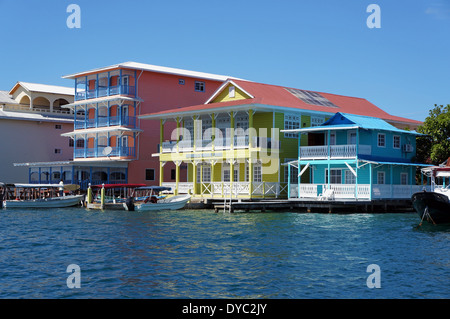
130 203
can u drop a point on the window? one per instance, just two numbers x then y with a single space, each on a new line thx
58 127
180 81
80 143
231 91
333 138
294 174
226 173
404 178
199 86
206 173
71 142
335 178
316 121
349 177
396 142
257 173
381 140
149 174
58 151
381 178
173 174
352 138
291 122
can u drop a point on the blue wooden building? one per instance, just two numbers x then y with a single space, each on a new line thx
355 157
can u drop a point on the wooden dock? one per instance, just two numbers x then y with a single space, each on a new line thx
315 206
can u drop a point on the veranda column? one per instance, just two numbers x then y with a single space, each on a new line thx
213 126
178 134
161 139
194 177
161 173
250 152
177 176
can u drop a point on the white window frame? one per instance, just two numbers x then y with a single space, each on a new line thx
231 91
317 121
292 122
257 173
226 171
349 177
384 140
381 176
206 173
199 86
333 176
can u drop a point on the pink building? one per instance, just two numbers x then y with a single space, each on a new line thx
111 144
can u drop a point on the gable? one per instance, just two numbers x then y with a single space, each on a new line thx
226 94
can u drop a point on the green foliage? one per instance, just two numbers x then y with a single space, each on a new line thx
434 148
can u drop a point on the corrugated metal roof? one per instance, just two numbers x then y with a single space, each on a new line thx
279 96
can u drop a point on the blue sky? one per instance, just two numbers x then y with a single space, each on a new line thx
322 45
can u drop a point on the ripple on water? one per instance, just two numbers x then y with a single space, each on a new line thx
199 254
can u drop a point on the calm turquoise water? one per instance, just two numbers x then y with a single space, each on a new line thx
199 254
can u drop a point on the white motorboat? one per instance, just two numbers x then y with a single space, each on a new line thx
169 203
39 196
152 201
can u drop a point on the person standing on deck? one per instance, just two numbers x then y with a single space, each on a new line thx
61 188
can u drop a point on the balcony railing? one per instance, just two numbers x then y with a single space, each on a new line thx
239 142
223 189
336 151
104 121
349 191
106 91
99 152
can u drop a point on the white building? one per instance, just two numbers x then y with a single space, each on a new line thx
31 124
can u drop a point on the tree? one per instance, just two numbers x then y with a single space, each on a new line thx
434 147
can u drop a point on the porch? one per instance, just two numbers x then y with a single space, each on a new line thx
364 192
231 189
334 151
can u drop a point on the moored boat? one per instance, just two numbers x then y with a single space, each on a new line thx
110 196
153 201
434 206
39 196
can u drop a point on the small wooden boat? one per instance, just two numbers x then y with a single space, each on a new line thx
153 201
39 196
434 206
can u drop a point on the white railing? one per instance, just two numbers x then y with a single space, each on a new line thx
183 187
349 191
27 109
223 189
205 144
336 151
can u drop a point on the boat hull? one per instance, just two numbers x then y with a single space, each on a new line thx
432 207
55 202
172 203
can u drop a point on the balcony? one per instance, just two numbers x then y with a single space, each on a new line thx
335 151
99 152
106 91
104 121
239 142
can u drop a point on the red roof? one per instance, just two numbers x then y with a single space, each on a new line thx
273 95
